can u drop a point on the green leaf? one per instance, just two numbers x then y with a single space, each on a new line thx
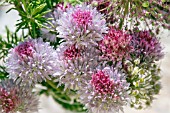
145 4
163 0
38 9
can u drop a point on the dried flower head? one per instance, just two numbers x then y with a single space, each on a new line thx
16 98
31 61
81 25
106 92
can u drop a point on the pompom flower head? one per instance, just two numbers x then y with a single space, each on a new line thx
16 98
76 64
146 46
106 92
31 61
81 25
116 45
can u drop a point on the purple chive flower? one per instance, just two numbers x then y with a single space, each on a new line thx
106 92
81 25
116 45
147 46
31 61
76 64
16 98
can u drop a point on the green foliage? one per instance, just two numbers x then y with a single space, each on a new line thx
3 73
67 98
145 4
31 13
73 2
8 42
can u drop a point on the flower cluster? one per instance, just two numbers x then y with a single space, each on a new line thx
97 66
16 98
107 67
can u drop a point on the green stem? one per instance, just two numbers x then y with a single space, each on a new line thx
52 85
126 11
62 100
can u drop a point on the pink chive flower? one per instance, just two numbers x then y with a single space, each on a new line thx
106 92
76 64
116 45
32 61
16 98
81 25
147 46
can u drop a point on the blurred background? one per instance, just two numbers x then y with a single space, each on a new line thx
160 105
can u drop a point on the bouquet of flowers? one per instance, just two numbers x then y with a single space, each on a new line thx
92 55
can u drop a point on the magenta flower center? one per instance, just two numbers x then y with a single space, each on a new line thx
82 18
8 100
71 52
102 83
25 49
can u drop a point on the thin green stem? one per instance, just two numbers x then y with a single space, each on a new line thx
52 85
62 100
